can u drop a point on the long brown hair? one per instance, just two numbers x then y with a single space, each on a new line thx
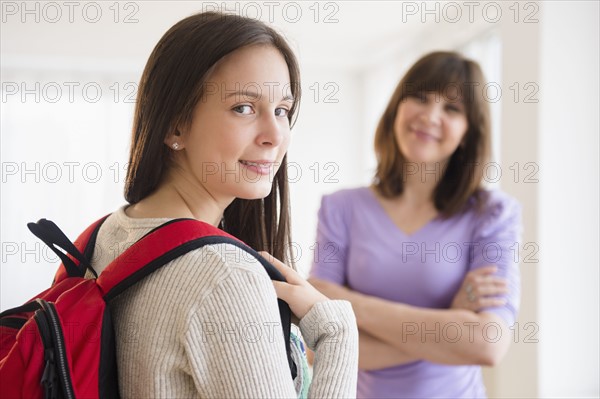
437 72
170 87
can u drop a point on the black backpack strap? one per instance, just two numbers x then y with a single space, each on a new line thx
28 307
170 241
52 236
74 261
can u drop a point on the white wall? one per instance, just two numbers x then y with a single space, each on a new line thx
61 160
517 375
326 149
568 207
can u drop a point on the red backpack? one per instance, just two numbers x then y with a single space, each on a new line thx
61 343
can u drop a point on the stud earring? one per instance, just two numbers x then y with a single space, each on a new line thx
175 146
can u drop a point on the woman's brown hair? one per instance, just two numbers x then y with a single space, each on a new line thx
444 73
170 87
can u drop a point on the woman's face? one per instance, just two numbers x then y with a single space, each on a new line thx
240 131
429 126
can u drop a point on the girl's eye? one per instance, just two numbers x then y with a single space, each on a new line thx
453 108
420 97
281 112
243 109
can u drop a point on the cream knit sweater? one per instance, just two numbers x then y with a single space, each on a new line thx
207 325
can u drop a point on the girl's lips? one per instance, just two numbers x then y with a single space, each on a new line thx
259 167
424 136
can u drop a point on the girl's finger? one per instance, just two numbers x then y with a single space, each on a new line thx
493 279
286 271
490 302
490 289
490 269
498 282
487 279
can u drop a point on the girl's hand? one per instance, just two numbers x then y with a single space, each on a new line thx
480 289
297 292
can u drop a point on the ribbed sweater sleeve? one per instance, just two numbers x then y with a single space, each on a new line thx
329 329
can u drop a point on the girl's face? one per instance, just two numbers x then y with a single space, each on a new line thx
240 131
429 127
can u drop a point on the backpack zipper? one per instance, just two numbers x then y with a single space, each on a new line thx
51 334
48 380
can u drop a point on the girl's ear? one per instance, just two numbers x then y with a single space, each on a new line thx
174 140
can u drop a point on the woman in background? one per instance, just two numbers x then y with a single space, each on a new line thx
424 253
211 131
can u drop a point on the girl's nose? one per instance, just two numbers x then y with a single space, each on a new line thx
271 132
432 112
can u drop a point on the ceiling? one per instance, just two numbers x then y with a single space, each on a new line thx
349 34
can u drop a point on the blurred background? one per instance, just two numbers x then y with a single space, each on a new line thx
70 71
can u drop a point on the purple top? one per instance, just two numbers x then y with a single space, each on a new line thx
358 245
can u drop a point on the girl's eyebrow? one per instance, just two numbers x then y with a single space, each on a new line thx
245 93
254 95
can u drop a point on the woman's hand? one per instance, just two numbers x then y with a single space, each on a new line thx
297 292
480 289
